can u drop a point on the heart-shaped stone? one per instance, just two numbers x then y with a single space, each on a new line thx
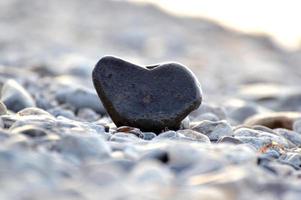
151 98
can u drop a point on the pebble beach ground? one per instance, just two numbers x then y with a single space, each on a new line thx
57 142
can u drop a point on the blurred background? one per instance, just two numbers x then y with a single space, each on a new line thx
234 46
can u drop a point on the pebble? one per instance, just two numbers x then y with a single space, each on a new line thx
80 97
124 137
182 157
185 124
194 135
229 139
2 125
132 130
154 98
3 109
148 135
292 136
274 120
30 131
61 112
33 111
157 154
4 135
297 126
167 135
208 111
293 159
263 128
65 147
239 110
15 97
214 130
206 116
123 164
83 147
87 114
261 140
149 173
46 122
290 102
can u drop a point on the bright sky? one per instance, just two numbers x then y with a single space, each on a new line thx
279 18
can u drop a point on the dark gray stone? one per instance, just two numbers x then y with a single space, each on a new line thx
150 98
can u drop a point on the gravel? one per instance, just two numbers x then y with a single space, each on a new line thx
58 142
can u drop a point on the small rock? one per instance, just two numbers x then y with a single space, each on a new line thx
80 97
15 97
151 173
148 135
274 120
194 135
154 98
262 141
297 126
58 111
263 128
30 131
292 136
271 154
207 116
185 123
4 135
207 110
214 130
229 139
8 120
2 125
239 110
167 135
3 109
183 157
292 195
123 164
33 111
124 137
132 130
293 159
157 154
87 114
83 146
290 102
